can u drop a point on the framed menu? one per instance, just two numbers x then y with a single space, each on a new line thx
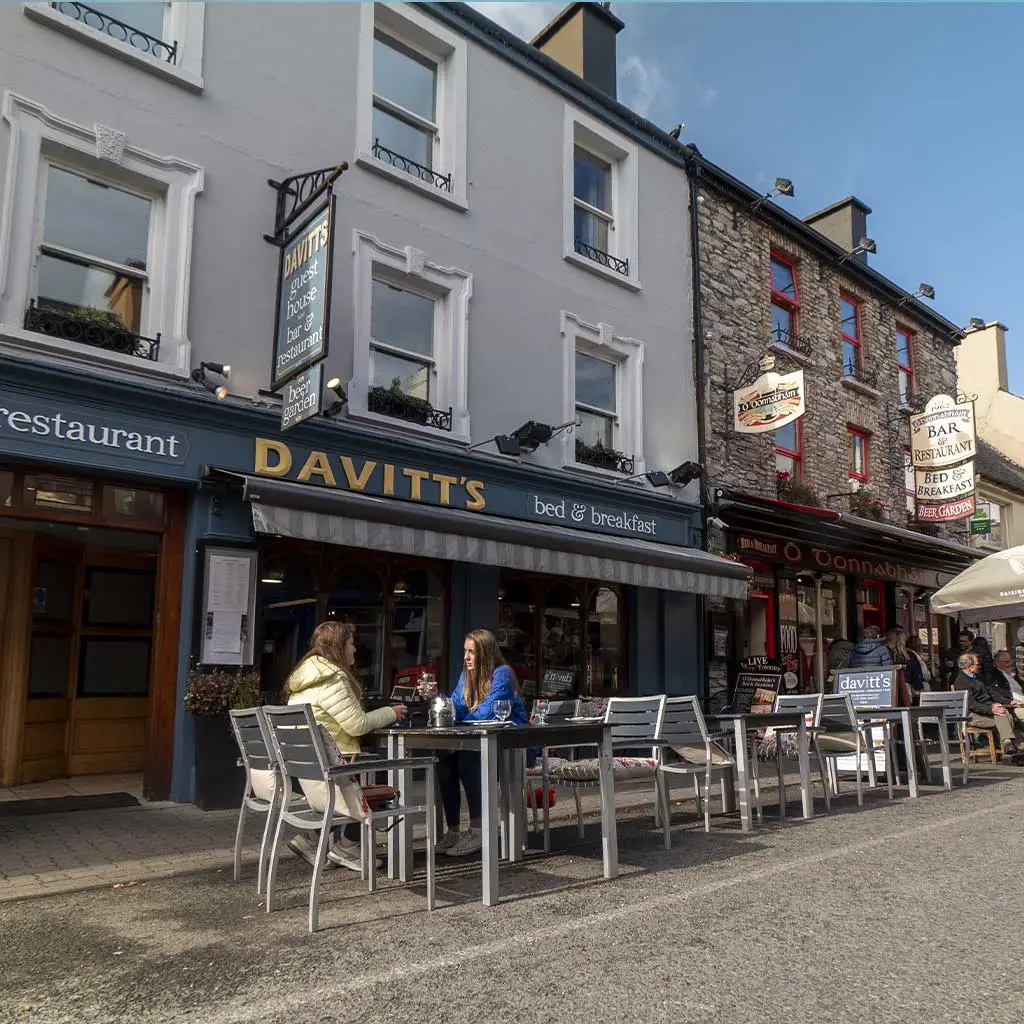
228 606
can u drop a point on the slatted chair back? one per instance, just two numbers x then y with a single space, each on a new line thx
682 722
806 703
297 742
952 702
837 713
634 720
252 743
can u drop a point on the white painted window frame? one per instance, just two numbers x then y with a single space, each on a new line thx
600 340
184 21
38 137
623 156
451 289
419 32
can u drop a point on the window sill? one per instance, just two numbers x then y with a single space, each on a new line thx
632 283
385 170
852 384
606 474
791 353
46 15
22 342
455 436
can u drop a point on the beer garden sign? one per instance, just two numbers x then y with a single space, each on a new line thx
943 446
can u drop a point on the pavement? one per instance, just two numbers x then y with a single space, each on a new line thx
867 913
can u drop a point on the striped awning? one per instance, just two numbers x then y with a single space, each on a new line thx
339 517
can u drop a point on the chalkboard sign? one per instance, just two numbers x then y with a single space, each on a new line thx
558 682
868 687
757 684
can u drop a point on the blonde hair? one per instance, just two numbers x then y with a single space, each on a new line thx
329 641
895 641
488 659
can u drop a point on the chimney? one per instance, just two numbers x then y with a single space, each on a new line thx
582 37
845 223
981 362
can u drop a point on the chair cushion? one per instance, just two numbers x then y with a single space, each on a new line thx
538 769
695 753
837 741
588 769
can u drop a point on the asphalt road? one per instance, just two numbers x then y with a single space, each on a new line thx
909 911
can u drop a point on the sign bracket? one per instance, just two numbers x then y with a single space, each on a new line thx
295 195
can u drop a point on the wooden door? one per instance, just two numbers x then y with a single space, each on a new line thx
55 602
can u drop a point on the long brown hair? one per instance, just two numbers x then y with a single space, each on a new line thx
328 641
488 658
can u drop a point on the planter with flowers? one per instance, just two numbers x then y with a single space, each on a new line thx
210 694
794 490
866 504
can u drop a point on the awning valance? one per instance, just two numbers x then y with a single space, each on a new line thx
314 513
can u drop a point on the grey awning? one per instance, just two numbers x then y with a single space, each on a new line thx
315 513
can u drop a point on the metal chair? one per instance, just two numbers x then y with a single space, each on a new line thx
301 754
809 705
844 734
953 704
554 711
684 732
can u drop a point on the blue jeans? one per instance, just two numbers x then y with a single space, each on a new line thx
455 767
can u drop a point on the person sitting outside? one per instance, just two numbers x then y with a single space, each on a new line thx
986 710
1006 685
871 651
919 675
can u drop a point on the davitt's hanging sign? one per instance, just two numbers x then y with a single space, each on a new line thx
772 401
943 446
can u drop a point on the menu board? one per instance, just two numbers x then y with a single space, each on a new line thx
757 685
229 598
558 682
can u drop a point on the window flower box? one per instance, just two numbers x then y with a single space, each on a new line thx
795 491
601 457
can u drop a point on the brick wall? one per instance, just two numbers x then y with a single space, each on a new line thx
735 288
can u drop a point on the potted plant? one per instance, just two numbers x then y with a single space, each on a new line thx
209 695
393 401
794 490
867 504
599 456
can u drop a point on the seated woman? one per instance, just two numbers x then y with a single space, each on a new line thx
485 679
324 680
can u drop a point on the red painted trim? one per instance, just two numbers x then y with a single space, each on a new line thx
790 304
908 367
798 455
820 513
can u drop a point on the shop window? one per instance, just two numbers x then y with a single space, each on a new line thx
789 459
114 667
560 641
852 357
993 516
602 643
53 597
58 493
133 505
905 366
119 597
517 630
417 627
785 301
357 596
858 455
288 603
6 488
49 662
871 605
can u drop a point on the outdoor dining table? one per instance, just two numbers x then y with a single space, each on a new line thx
741 725
495 741
907 716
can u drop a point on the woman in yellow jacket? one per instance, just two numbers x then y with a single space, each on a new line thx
324 680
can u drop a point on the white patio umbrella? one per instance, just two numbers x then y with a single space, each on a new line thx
992 588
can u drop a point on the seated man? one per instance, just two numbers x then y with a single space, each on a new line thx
986 709
1006 685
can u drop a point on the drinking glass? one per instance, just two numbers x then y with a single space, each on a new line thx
540 712
502 710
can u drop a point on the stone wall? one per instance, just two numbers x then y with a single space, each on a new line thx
735 249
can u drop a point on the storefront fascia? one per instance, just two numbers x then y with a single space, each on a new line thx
821 575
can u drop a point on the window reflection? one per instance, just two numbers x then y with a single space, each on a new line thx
417 627
517 617
357 596
602 653
288 613
560 640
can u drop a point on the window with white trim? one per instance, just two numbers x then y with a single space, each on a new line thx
411 114
603 376
411 339
600 175
162 36
95 244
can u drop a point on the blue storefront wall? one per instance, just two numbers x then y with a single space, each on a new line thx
173 435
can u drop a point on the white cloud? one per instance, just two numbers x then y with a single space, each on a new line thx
641 84
524 19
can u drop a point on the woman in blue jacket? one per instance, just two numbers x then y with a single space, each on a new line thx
485 679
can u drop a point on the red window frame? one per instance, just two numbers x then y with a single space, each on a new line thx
798 455
853 339
854 434
908 367
791 304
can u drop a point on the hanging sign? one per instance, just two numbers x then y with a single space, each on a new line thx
945 484
772 401
943 434
303 297
302 396
945 511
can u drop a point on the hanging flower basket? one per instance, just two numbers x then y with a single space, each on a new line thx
599 456
795 491
867 505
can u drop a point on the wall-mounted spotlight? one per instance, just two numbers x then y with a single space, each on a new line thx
528 438
221 370
686 473
783 187
924 291
341 400
656 478
864 245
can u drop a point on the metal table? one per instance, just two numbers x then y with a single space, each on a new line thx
741 724
494 741
907 716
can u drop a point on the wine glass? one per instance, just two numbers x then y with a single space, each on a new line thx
540 712
502 710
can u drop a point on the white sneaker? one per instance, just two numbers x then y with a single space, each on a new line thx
348 857
468 843
447 841
302 847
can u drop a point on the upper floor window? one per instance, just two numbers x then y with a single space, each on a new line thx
601 199
411 113
402 340
858 455
905 366
597 404
789 459
852 356
785 301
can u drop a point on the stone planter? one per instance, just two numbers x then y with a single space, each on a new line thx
219 780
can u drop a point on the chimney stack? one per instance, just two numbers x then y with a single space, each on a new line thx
582 38
845 223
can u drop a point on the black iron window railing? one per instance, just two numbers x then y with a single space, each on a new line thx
90 327
603 258
787 339
403 163
860 373
119 30
600 457
394 402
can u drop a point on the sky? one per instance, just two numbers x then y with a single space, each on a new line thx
915 108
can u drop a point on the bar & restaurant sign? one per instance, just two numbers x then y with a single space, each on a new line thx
943 446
